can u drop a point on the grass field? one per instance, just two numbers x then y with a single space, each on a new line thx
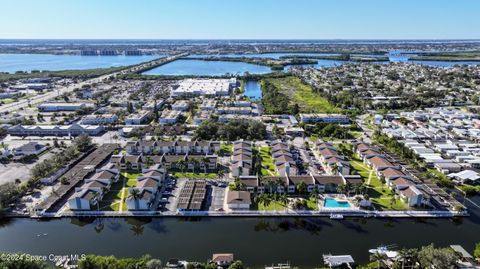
268 166
379 193
303 95
271 206
195 175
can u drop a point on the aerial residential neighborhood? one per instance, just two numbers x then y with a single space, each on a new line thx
240 134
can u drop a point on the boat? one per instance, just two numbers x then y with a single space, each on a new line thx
383 250
336 216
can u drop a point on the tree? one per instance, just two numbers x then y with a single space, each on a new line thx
315 194
476 252
82 142
431 257
135 195
379 258
236 265
341 188
302 187
205 162
334 168
220 173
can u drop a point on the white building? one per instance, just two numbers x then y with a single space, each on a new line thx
53 107
55 130
330 118
210 87
138 118
100 119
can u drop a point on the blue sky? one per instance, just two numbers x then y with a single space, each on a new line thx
241 19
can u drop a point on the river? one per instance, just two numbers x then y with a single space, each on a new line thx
256 241
27 62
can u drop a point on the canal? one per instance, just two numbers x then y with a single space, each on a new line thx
256 241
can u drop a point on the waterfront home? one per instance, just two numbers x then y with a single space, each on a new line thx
222 259
412 196
295 181
110 167
328 184
466 177
251 184
140 198
31 148
83 199
238 200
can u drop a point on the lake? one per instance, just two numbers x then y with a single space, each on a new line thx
184 67
27 62
256 241
252 89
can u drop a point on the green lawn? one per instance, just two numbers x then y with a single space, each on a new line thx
311 204
268 166
131 179
361 169
303 95
271 206
381 196
111 200
195 175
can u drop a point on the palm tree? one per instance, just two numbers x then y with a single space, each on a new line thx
341 188
348 187
194 163
315 193
182 164
96 198
205 162
378 258
280 183
283 198
135 195
301 187
266 200
334 168
220 173
149 161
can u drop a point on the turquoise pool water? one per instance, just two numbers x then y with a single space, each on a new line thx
330 202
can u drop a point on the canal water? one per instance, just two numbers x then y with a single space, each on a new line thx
256 241
27 62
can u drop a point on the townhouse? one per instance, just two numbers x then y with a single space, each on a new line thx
333 162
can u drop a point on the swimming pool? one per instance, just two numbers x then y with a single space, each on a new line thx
330 202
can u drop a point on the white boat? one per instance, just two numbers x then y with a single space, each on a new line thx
336 216
383 250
